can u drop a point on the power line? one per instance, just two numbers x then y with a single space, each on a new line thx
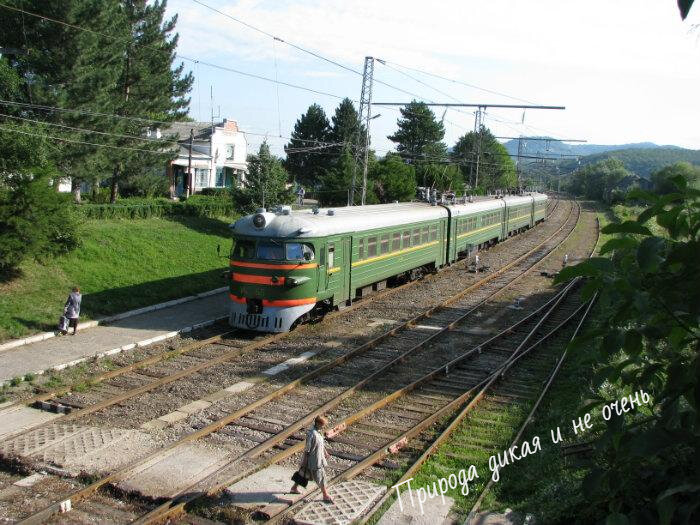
473 86
92 131
61 139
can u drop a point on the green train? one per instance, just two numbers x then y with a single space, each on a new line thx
285 263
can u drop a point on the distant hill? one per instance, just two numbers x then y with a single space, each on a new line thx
642 159
642 162
553 148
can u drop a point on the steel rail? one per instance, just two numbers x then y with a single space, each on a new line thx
528 419
388 447
176 504
40 516
458 419
194 369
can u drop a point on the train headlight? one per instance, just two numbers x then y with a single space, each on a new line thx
259 220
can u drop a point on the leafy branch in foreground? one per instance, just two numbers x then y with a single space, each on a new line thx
647 467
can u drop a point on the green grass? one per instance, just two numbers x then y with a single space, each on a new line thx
120 265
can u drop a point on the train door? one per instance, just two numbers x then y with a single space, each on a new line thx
504 220
337 267
532 212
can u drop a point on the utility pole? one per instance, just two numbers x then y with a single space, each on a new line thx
189 191
517 162
478 125
362 149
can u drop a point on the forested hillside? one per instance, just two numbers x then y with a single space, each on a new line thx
642 162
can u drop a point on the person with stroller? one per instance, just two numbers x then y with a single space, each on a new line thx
71 312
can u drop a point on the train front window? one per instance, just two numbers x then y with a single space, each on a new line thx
270 251
297 251
243 250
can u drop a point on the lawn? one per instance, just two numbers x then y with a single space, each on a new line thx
120 265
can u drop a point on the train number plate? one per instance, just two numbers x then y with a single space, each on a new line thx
253 321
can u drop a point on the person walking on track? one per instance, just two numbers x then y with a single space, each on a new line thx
313 463
72 309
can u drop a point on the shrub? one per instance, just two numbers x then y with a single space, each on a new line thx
139 208
217 192
34 220
150 185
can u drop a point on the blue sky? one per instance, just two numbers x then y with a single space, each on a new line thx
627 70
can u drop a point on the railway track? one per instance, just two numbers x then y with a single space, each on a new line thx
140 379
383 355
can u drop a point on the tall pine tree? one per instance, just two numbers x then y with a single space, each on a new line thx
148 86
308 168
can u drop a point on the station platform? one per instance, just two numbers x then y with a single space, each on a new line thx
106 339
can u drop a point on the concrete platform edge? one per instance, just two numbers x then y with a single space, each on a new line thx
129 346
117 317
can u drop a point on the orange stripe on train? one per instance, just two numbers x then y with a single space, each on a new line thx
277 302
258 279
266 266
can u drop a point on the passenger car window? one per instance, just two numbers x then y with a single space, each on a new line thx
361 249
406 239
385 243
396 242
433 232
243 250
416 237
269 251
371 246
331 255
424 235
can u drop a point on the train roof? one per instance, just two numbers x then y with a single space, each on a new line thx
350 219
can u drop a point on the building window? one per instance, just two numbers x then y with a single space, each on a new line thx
229 151
220 178
201 177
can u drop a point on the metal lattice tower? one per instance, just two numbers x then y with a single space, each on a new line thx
362 149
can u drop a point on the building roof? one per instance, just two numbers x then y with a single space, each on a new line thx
202 130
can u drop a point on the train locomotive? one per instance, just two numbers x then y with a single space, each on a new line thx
284 263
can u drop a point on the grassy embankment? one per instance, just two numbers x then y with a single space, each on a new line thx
120 265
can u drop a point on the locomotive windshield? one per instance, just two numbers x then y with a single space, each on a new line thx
272 251
297 251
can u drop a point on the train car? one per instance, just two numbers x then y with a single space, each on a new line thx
283 264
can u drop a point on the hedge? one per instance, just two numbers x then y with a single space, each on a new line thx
195 206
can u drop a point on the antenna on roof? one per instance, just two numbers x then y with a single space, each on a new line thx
211 107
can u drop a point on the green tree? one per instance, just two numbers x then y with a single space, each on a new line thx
308 167
336 181
149 84
265 185
599 181
393 179
645 466
663 179
34 220
419 134
345 125
496 167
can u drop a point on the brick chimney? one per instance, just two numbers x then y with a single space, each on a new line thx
230 125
